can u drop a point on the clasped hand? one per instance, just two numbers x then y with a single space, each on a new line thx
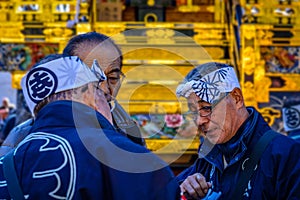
195 186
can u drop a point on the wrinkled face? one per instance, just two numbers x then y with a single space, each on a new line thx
3 113
95 98
214 121
5 102
109 59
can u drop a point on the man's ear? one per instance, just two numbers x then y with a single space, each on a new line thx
237 95
83 93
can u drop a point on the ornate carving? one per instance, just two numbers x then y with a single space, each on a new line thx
215 52
56 32
110 29
249 94
270 114
11 32
248 60
160 36
291 82
262 85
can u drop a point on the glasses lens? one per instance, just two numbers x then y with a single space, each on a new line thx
205 111
115 78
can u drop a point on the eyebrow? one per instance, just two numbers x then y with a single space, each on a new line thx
114 70
191 105
201 101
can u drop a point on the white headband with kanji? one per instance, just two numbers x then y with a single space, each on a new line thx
57 75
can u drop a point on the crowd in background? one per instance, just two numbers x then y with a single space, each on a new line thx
7 118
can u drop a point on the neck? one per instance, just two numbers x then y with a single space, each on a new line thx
242 116
233 146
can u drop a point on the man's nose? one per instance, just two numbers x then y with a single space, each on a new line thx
201 120
106 89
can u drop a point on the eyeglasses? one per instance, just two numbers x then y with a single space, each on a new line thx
115 78
97 86
112 79
204 111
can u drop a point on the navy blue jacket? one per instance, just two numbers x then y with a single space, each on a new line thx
277 175
295 134
9 124
73 152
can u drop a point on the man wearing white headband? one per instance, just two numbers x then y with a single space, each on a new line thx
87 47
240 157
72 150
93 45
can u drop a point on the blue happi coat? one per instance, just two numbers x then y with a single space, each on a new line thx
73 152
276 177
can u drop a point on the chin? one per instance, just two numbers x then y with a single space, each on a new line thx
214 139
108 98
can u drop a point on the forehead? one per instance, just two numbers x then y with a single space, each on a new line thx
114 66
194 100
106 54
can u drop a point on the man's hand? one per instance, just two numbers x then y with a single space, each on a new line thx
195 186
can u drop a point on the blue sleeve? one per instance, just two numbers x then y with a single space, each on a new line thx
288 173
187 172
3 188
159 184
280 171
9 125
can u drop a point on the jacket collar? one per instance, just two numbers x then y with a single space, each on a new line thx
70 114
235 148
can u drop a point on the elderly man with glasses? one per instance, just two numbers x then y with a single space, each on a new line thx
87 47
240 157
93 45
73 151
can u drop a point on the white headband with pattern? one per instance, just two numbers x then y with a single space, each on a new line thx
57 75
211 86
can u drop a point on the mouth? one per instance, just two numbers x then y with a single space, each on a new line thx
108 97
202 130
209 133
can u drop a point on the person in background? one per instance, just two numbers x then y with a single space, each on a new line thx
3 115
90 46
232 132
73 151
22 125
8 118
6 104
8 124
